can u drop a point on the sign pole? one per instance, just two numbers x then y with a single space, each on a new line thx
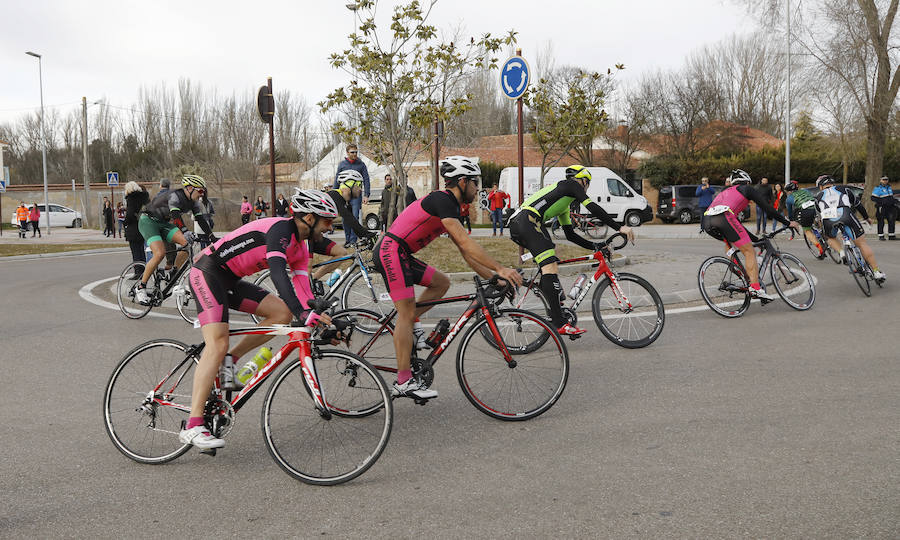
272 140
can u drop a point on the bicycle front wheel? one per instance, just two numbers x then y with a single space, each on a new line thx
320 448
508 385
858 271
724 287
184 298
595 229
129 279
146 399
630 312
793 282
357 294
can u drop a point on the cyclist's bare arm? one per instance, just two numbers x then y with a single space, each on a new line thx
475 255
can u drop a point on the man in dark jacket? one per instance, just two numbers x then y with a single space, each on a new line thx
765 191
706 193
135 199
355 163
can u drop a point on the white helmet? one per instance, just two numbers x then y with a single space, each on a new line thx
350 177
312 201
455 167
738 176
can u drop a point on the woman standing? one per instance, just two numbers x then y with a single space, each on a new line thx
108 219
135 199
779 202
261 208
120 218
34 217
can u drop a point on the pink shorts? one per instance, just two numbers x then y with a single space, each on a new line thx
400 269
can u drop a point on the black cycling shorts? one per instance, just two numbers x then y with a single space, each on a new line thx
847 218
726 226
527 230
805 216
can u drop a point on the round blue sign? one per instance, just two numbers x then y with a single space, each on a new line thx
514 75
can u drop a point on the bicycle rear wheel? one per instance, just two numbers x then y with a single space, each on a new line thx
142 400
357 294
595 230
631 313
319 448
724 287
517 387
793 282
858 271
184 298
264 280
129 279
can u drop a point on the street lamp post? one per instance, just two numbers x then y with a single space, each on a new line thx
43 138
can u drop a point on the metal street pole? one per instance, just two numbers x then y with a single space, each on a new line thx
272 143
787 111
43 138
84 164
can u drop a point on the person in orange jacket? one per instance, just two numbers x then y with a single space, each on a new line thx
22 218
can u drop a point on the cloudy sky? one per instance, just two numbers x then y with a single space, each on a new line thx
108 49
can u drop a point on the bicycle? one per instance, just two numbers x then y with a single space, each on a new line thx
725 286
859 268
360 286
589 225
309 415
816 229
626 307
160 287
503 375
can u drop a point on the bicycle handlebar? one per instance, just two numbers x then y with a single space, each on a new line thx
607 243
777 231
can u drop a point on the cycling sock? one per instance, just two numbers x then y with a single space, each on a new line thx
755 286
552 291
404 375
193 422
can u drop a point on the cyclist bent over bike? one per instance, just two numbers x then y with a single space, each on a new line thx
526 228
420 223
836 205
721 222
279 244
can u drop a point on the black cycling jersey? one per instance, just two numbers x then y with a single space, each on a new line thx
347 216
168 206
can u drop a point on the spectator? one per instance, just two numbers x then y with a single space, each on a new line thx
498 201
120 218
135 199
779 203
386 195
261 208
208 213
164 185
885 207
22 218
765 190
354 162
464 216
34 217
108 219
706 193
246 210
281 206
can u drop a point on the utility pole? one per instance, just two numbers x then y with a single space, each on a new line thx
84 163
787 109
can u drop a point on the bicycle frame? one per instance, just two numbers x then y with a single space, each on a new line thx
477 305
357 264
298 339
166 291
767 250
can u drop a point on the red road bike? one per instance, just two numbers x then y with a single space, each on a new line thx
317 417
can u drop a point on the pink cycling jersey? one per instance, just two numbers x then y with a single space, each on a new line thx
420 222
732 198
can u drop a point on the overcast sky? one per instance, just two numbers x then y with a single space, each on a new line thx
108 49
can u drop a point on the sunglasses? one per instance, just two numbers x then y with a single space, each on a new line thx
354 153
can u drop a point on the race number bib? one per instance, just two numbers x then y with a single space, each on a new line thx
384 297
807 204
526 256
718 209
830 213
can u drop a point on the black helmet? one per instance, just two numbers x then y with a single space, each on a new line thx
791 186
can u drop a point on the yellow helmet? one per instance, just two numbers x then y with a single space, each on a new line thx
577 171
193 180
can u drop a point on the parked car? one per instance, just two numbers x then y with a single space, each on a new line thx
680 202
60 216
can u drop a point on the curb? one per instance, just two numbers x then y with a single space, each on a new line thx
61 254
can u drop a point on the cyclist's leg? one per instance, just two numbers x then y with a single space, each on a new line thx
527 231
150 230
735 233
436 283
403 336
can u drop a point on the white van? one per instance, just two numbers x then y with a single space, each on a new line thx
607 189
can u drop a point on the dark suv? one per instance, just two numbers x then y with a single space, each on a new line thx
680 202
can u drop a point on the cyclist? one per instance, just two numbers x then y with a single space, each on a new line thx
527 229
836 205
275 243
720 221
350 184
420 223
161 219
805 214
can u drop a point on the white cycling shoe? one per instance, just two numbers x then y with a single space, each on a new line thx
879 275
761 294
413 388
200 437
141 296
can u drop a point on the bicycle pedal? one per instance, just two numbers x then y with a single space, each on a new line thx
421 401
573 338
209 451
764 301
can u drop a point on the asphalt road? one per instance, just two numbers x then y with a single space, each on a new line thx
779 424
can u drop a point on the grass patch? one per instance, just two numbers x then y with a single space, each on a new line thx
8 250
